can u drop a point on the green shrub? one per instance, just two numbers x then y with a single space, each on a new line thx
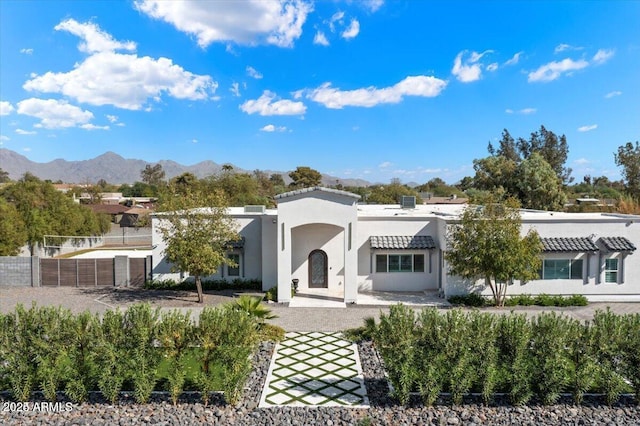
272 294
111 354
471 299
226 336
81 351
609 332
207 285
253 307
582 368
271 333
551 363
175 332
514 357
546 300
430 356
141 325
630 351
519 300
395 339
484 351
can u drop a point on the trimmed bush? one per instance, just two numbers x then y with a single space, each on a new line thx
471 299
207 285
544 357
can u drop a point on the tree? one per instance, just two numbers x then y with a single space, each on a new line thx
628 157
197 232
13 234
486 244
153 175
305 177
4 176
554 149
391 194
538 185
46 211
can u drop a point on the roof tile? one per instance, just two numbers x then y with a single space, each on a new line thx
616 244
580 244
402 242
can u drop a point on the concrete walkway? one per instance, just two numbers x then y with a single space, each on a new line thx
315 370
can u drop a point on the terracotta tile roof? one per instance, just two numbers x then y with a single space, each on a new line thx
568 244
403 242
616 244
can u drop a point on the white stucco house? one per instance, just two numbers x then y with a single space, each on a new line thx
332 245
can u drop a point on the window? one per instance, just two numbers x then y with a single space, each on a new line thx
553 269
400 263
611 271
233 271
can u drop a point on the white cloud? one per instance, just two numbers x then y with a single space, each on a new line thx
321 39
6 108
523 111
252 72
587 128
563 46
90 126
514 59
420 85
26 132
265 105
553 70
125 81
26 149
603 55
277 22
54 113
26 51
269 128
582 161
112 118
352 31
385 164
337 17
492 67
4 138
613 94
235 89
94 39
373 5
470 69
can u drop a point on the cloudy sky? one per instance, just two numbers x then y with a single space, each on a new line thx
372 89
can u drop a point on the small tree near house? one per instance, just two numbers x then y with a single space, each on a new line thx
197 232
486 245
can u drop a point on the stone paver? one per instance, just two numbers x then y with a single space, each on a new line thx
315 369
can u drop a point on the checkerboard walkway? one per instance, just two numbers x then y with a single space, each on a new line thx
315 369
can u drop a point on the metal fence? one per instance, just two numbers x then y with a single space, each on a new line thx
120 271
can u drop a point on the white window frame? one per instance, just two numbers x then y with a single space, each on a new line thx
615 271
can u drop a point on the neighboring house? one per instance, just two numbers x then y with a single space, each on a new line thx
324 239
114 210
132 216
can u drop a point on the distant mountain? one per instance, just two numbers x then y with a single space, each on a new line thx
117 170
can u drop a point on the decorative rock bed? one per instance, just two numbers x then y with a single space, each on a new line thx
384 410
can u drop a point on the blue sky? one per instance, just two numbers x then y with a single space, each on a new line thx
360 89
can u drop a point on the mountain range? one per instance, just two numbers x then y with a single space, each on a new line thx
116 169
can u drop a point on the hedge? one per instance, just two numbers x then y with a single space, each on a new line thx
542 357
141 349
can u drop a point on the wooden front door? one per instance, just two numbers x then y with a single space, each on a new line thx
318 269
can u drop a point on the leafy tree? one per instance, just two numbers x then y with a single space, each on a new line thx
538 185
552 148
197 232
305 177
487 245
46 211
276 179
13 234
628 157
153 175
138 189
184 183
4 176
439 188
391 194
495 173
507 149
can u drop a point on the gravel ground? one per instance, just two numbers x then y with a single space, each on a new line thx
383 411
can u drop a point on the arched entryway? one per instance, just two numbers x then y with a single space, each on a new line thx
318 269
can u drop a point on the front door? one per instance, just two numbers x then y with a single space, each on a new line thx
318 269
